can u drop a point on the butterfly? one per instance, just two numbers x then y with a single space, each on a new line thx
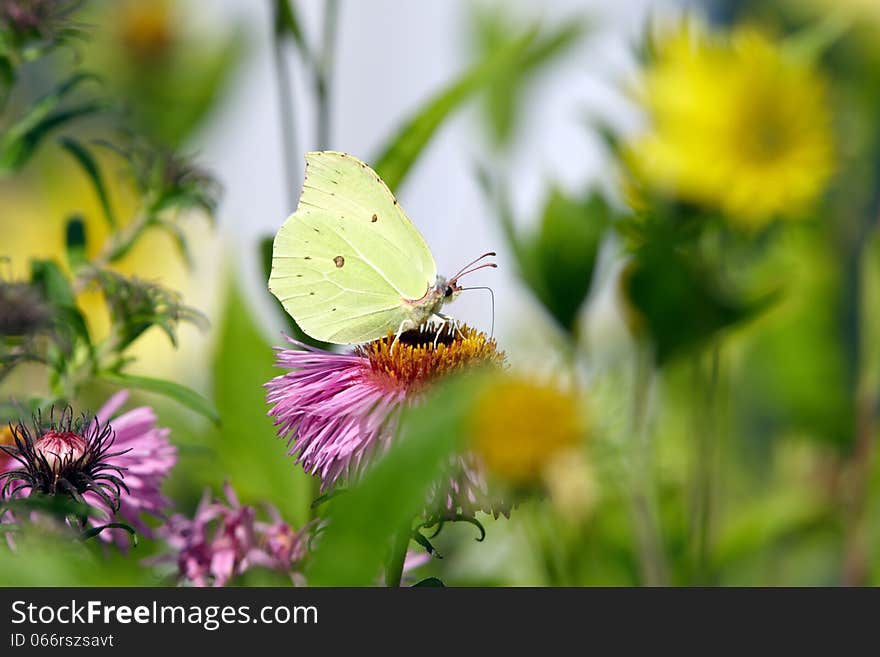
348 265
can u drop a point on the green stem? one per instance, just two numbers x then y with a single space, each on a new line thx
394 565
287 120
856 561
643 499
706 439
324 72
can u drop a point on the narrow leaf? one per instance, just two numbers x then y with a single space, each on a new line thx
181 394
75 241
287 22
88 163
361 523
402 150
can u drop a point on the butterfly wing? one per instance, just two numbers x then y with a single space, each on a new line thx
347 261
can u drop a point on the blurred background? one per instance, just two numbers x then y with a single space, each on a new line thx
789 482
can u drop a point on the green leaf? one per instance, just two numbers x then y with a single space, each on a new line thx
88 163
95 531
21 140
429 582
362 522
405 146
680 301
53 282
287 22
558 262
75 241
179 393
57 505
245 450
56 289
494 29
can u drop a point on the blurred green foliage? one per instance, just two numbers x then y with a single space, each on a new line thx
364 520
753 406
558 260
494 29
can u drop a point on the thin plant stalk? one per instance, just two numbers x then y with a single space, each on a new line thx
287 120
397 557
324 72
856 559
706 435
642 485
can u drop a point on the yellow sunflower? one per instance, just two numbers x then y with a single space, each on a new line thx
734 124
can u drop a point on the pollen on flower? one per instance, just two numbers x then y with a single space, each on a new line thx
510 430
423 355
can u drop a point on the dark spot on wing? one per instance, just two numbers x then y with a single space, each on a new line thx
374 219
339 260
311 294
333 310
307 258
316 230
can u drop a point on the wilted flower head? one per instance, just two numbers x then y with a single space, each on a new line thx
22 309
37 19
337 410
114 464
63 455
224 539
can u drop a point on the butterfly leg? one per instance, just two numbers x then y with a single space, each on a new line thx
400 330
447 320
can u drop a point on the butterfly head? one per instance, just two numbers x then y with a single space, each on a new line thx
450 288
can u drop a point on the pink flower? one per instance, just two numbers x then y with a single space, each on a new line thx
146 457
338 411
115 464
224 539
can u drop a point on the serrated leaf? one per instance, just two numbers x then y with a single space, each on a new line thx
179 393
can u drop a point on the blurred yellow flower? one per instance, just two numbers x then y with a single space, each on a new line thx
572 485
735 124
146 29
520 427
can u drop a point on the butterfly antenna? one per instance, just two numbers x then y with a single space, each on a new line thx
462 272
492 295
